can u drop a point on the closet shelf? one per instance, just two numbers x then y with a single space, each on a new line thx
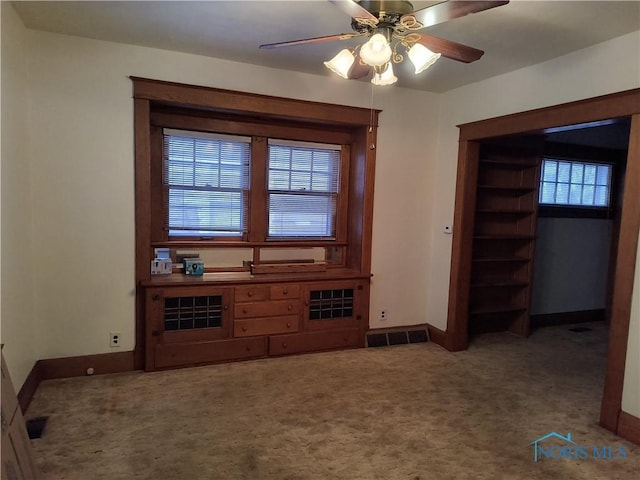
506 189
508 165
505 236
499 259
500 283
505 211
495 309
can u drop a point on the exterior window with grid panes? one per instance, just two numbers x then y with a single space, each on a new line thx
206 181
575 184
302 182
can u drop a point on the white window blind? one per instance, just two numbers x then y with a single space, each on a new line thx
303 182
206 177
573 183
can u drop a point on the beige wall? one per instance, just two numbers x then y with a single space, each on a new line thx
17 276
562 280
83 180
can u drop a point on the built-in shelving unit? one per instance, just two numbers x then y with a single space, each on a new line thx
503 241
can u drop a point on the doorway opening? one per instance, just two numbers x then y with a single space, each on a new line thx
536 122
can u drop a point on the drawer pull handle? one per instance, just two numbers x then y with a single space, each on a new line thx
288 324
155 298
290 307
249 293
284 345
244 310
226 307
248 349
285 291
244 329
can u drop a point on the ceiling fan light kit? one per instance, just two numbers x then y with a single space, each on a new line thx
341 63
385 77
389 25
377 51
421 57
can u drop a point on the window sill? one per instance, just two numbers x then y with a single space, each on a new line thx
561 211
217 278
246 244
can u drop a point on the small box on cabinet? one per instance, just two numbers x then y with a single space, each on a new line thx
193 266
160 266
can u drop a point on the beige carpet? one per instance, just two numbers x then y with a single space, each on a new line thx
403 412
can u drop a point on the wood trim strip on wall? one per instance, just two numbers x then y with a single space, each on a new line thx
77 366
463 221
565 318
53 368
605 107
229 100
142 154
29 387
629 427
437 336
623 283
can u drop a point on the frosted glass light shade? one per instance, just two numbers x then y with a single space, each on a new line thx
341 63
421 57
385 78
377 51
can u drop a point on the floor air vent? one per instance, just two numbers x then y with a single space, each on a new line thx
35 427
580 329
397 337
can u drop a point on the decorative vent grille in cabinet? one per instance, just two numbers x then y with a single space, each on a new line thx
327 304
187 313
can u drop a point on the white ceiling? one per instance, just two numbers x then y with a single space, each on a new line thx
513 36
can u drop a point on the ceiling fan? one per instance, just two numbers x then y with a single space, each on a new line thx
392 24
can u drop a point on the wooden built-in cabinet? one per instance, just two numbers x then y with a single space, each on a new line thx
503 240
210 321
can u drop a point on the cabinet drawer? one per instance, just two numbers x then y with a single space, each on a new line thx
266 309
314 341
279 292
266 326
182 354
251 293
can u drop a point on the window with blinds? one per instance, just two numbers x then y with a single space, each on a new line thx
206 181
302 183
575 184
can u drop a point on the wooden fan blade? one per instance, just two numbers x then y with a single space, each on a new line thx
445 11
328 38
450 49
354 10
359 69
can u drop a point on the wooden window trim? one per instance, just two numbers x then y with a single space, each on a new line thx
259 131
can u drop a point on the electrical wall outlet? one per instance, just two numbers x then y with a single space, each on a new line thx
383 314
114 339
